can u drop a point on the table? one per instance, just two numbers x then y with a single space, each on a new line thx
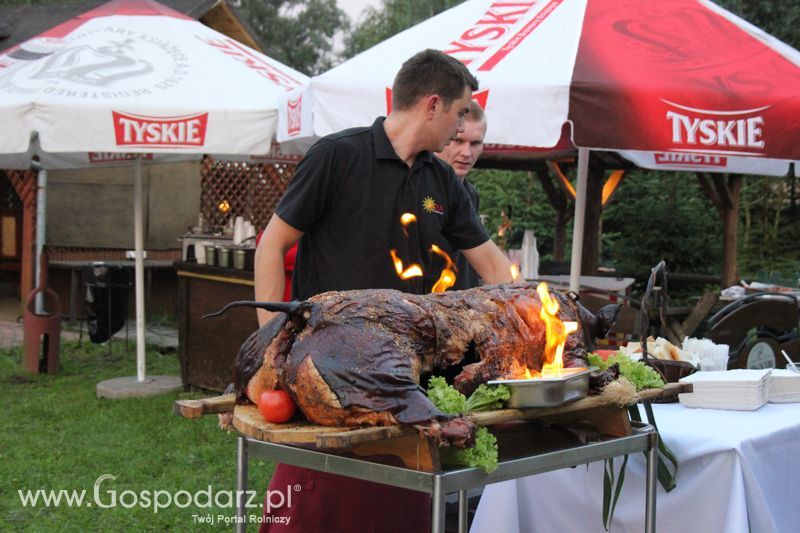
617 287
738 472
439 484
75 269
208 348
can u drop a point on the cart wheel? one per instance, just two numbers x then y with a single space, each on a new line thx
760 352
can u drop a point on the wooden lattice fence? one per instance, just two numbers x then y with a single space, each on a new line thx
235 188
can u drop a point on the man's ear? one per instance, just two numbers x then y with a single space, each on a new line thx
432 103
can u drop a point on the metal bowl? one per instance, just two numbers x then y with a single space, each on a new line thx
549 391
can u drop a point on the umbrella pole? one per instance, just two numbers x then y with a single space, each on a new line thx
41 213
138 236
577 228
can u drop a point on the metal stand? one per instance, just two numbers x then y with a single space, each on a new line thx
439 484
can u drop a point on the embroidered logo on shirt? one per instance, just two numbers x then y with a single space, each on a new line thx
430 206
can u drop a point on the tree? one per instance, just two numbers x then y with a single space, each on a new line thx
298 33
776 17
661 215
393 17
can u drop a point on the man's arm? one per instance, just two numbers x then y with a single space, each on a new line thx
278 237
491 263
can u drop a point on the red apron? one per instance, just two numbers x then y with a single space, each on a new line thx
327 502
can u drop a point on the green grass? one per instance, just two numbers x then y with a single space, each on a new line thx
55 434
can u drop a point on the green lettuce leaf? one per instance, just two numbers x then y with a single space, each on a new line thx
638 373
487 397
445 397
482 455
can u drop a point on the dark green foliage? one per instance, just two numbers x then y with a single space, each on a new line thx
298 33
769 229
529 206
780 18
377 25
662 215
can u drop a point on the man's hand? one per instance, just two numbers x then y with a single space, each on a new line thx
490 262
278 237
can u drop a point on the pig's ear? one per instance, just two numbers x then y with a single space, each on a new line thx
606 318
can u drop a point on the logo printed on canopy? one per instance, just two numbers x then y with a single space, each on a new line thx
294 115
95 64
500 30
735 132
114 157
254 62
160 132
480 97
98 66
674 159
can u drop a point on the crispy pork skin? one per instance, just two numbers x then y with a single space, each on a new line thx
355 358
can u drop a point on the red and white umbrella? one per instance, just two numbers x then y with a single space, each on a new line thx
136 77
675 81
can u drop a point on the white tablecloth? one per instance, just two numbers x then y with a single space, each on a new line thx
738 472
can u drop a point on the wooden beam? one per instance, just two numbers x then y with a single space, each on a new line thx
611 185
590 258
721 185
556 200
559 200
699 312
708 190
563 181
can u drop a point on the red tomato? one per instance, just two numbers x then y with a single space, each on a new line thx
605 354
276 406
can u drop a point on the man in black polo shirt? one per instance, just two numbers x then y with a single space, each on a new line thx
345 205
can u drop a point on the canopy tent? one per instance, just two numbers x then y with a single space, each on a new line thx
140 78
680 77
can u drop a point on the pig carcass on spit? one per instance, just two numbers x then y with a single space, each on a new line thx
354 358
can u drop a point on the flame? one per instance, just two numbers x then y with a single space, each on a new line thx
448 276
407 218
224 206
412 271
556 331
514 272
520 371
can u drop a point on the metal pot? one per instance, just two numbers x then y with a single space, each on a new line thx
211 255
223 257
243 258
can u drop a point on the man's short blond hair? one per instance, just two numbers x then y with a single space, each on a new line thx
476 113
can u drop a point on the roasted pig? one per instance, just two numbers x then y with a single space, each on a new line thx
355 358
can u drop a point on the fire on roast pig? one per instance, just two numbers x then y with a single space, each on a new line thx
355 358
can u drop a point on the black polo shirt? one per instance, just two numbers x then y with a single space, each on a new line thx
467 276
347 197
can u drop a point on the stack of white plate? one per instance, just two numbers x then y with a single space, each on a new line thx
739 390
784 386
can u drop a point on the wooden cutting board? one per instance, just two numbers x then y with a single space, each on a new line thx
248 421
204 406
609 419
402 442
